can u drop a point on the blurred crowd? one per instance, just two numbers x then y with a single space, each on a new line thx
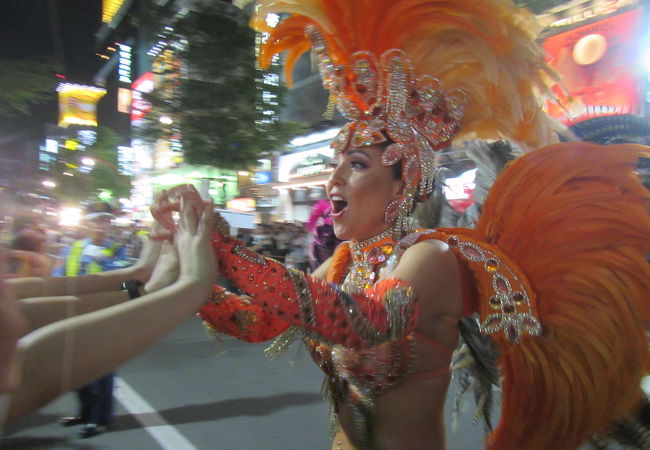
286 242
39 250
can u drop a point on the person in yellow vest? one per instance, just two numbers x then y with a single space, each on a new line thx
94 254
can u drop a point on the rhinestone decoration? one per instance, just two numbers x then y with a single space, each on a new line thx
304 295
249 255
365 256
513 314
220 225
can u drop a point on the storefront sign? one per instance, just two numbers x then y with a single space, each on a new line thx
241 204
310 162
110 8
124 63
78 104
599 66
139 106
262 177
570 16
311 165
124 98
125 159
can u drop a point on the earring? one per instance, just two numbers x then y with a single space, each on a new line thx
398 212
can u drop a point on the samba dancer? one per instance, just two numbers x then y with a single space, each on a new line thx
557 255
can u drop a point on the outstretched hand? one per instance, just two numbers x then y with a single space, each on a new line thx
168 203
194 242
144 267
166 269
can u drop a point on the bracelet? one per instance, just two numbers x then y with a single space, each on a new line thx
132 287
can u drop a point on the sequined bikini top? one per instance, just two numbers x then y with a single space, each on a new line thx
357 376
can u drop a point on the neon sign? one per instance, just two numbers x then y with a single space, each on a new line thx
110 9
124 64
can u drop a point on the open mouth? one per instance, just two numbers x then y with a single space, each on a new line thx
338 205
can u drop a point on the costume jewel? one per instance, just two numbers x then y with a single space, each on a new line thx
366 256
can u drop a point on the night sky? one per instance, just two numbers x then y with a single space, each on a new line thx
61 29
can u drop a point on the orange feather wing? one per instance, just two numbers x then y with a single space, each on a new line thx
576 220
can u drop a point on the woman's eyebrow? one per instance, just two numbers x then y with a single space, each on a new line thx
359 151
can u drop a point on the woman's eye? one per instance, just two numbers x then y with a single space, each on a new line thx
357 165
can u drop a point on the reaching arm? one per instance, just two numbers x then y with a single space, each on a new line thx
385 311
42 311
88 284
72 352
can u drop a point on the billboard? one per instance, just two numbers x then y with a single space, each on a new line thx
78 104
110 8
598 63
139 106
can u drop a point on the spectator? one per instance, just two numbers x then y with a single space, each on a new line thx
84 257
298 256
28 257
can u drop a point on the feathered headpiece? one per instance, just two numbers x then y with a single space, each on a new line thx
419 73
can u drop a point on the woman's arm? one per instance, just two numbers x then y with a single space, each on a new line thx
89 284
385 311
237 316
42 311
70 353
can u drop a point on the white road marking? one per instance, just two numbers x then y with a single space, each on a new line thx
153 423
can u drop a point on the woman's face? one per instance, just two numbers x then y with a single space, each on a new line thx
360 188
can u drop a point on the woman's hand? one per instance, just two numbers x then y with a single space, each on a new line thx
194 242
144 267
166 269
169 202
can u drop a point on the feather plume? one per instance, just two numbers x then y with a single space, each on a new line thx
486 48
575 218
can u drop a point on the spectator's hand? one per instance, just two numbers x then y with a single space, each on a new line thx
166 269
169 202
194 240
149 256
40 265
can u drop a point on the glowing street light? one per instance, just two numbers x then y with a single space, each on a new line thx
88 161
48 184
70 216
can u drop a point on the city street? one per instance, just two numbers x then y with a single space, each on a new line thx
188 393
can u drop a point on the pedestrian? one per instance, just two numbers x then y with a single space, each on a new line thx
28 255
298 255
94 254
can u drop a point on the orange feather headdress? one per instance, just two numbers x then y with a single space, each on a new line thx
420 72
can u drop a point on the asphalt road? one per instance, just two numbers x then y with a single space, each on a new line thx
187 393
